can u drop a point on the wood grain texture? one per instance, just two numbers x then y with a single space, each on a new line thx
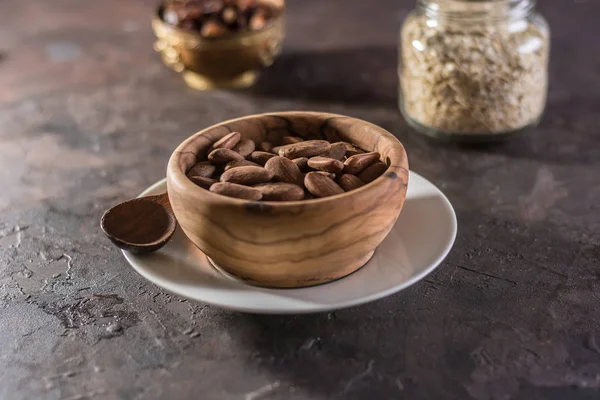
141 225
297 243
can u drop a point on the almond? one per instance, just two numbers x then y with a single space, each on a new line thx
203 181
203 168
228 141
308 148
373 172
359 162
284 170
349 182
291 139
281 191
244 147
351 149
247 175
235 190
301 162
213 29
321 186
229 15
257 21
223 156
265 146
330 175
275 150
325 164
338 151
240 163
261 157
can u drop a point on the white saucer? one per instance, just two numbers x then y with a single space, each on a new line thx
418 243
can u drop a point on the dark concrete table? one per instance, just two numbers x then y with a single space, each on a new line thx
89 117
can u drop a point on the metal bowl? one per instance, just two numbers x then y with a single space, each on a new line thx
229 61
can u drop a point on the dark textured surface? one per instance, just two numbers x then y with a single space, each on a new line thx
89 117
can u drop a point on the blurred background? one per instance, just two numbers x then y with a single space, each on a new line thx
81 78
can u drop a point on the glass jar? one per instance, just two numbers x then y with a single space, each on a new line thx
473 69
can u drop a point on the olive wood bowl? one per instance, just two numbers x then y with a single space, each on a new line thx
296 243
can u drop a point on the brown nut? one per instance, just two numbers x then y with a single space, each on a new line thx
349 182
338 151
281 191
301 162
247 175
265 146
352 150
203 168
188 24
321 186
373 172
284 170
261 157
228 141
275 150
223 156
244 147
330 175
192 10
257 21
203 181
291 140
229 15
309 148
213 29
240 163
235 190
211 6
325 164
359 162
245 5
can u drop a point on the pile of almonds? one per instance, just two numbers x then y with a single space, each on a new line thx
215 18
295 169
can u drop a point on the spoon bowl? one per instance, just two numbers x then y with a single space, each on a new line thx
141 225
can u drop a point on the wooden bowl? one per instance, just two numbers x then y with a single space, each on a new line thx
229 61
298 243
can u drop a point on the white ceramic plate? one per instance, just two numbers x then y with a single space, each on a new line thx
418 243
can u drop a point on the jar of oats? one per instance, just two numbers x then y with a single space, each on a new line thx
473 69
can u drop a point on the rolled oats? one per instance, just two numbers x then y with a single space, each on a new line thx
473 79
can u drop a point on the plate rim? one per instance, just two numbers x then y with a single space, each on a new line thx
313 308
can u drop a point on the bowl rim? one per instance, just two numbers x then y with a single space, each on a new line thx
271 22
181 179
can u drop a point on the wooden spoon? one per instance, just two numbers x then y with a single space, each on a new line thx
140 225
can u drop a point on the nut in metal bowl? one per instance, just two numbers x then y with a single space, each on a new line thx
229 61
